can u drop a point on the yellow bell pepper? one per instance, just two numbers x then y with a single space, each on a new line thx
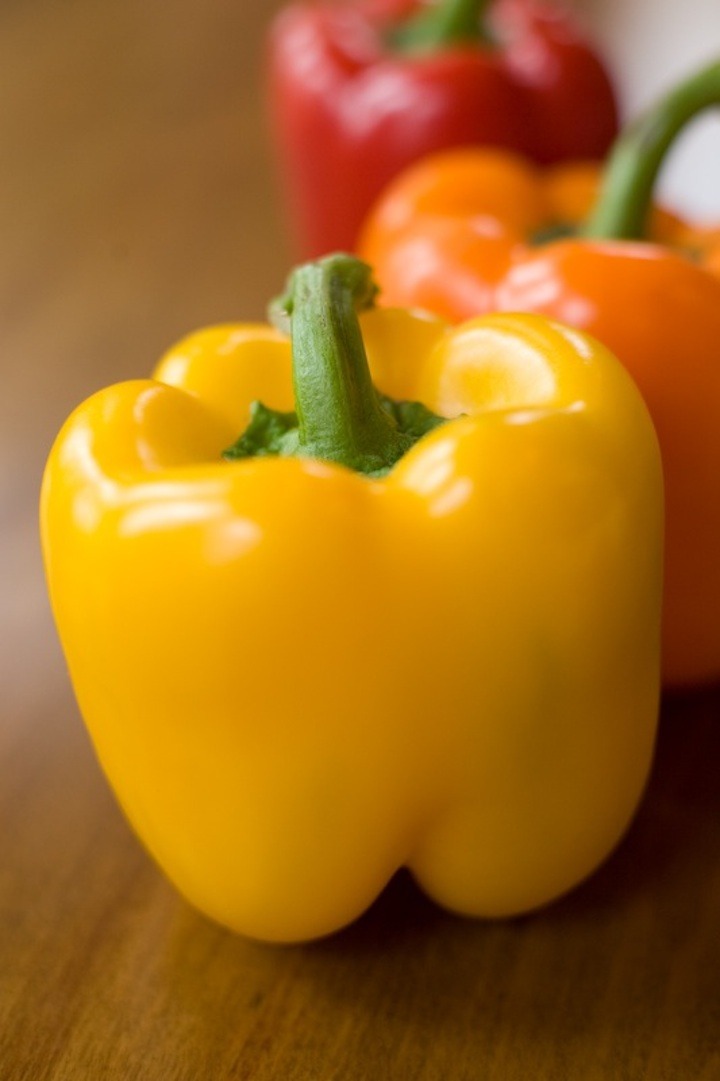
343 652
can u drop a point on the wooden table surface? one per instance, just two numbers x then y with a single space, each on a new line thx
136 203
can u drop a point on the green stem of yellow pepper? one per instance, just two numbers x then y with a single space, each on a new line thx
625 197
340 415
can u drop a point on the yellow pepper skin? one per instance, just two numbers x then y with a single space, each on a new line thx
299 679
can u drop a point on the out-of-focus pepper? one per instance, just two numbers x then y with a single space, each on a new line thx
369 638
469 232
360 90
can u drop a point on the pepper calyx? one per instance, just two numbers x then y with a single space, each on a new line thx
443 24
339 415
272 433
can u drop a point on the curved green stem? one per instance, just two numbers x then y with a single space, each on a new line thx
625 199
444 23
340 417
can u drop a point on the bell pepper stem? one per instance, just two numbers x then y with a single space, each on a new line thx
444 23
624 203
340 417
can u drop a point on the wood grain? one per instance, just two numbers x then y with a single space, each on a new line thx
137 201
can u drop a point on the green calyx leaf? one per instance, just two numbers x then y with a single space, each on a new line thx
269 432
272 433
413 419
339 415
554 231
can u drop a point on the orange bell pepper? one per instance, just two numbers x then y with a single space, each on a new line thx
467 232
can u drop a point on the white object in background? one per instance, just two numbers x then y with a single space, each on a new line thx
650 45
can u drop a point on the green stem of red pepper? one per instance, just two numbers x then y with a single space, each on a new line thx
626 195
340 417
443 24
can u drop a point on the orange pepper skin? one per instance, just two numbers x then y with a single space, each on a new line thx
457 235
704 244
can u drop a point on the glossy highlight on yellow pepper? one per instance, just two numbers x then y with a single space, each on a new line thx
299 679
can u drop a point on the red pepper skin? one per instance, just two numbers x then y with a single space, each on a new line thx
348 112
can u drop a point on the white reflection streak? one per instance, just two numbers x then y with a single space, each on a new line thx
579 342
533 416
225 537
531 287
434 468
450 498
231 539
162 515
435 479
98 489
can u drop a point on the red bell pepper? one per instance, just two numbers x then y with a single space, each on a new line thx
360 90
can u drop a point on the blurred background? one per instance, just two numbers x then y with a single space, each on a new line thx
137 202
651 44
